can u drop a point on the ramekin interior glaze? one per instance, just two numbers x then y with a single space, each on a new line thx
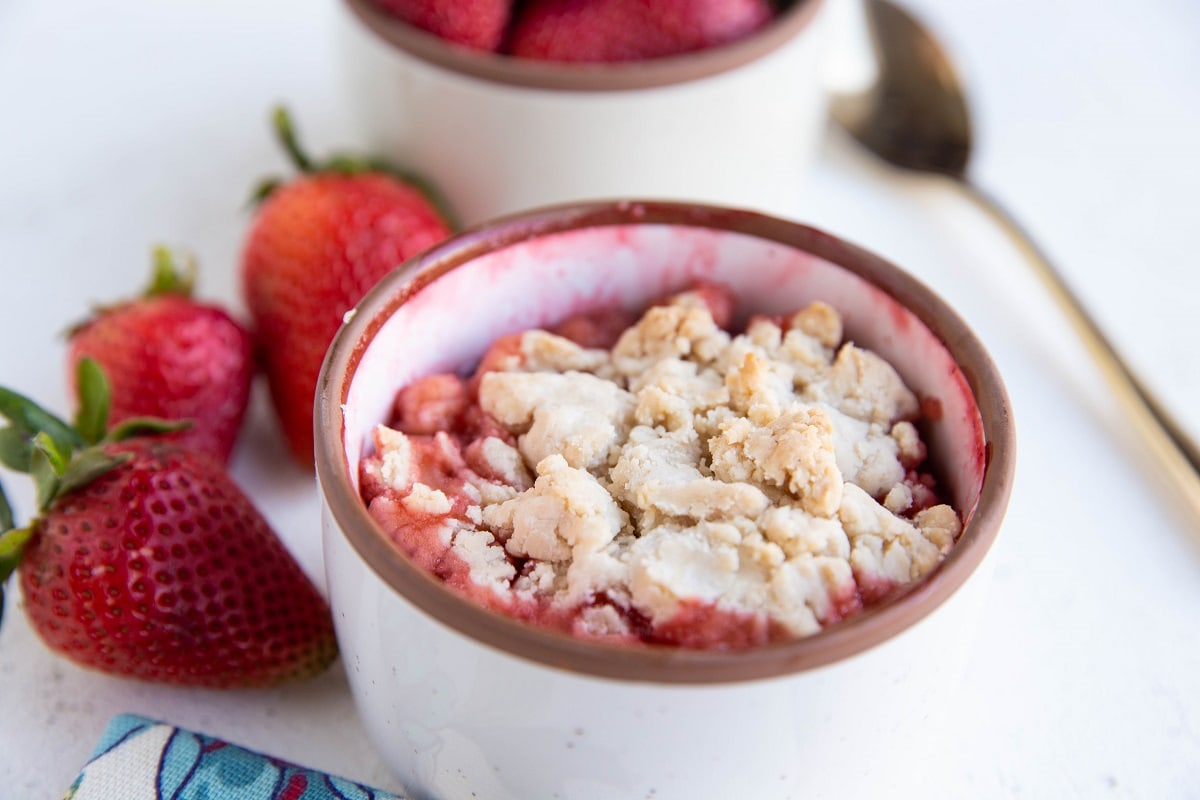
442 310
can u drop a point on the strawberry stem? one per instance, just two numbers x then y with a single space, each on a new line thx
286 132
344 164
171 274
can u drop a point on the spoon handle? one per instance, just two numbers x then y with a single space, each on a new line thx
1175 451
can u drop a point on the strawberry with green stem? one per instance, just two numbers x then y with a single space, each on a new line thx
169 355
146 560
318 242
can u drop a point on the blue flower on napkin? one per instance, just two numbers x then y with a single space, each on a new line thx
141 759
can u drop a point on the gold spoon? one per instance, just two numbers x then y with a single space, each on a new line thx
915 116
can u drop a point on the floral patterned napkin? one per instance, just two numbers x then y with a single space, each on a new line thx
140 759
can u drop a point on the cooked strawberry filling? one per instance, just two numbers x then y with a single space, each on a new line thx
660 479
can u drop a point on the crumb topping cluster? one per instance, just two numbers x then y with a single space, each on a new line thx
685 485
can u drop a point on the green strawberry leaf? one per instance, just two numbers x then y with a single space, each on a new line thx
6 512
14 449
86 467
12 541
352 165
30 419
146 426
12 545
91 421
42 467
172 274
57 457
263 190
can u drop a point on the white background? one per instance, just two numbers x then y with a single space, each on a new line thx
128 123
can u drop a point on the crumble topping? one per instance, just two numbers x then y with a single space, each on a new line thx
667 481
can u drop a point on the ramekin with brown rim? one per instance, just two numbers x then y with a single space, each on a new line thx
464 702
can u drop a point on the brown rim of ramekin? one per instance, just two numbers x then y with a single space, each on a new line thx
536 74
660 664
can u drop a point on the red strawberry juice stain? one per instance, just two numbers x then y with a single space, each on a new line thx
704 254
718 298
506 350
924 491
431 404
872 589
702 625
595 329
974 422
778 320
844 602
900 317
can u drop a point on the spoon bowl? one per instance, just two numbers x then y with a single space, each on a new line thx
916 116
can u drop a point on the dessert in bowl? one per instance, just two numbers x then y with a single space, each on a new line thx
657 478
465 694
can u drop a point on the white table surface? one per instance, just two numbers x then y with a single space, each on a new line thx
127 123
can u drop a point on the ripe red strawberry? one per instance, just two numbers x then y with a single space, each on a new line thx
167 355
317 244
147 560
631 30
474 23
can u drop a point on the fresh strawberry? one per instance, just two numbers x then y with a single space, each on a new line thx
474 23
631 30
147 560
317 244
167 355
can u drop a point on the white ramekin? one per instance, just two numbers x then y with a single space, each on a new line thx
466 703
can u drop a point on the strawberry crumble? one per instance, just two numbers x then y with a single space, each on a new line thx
661 479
